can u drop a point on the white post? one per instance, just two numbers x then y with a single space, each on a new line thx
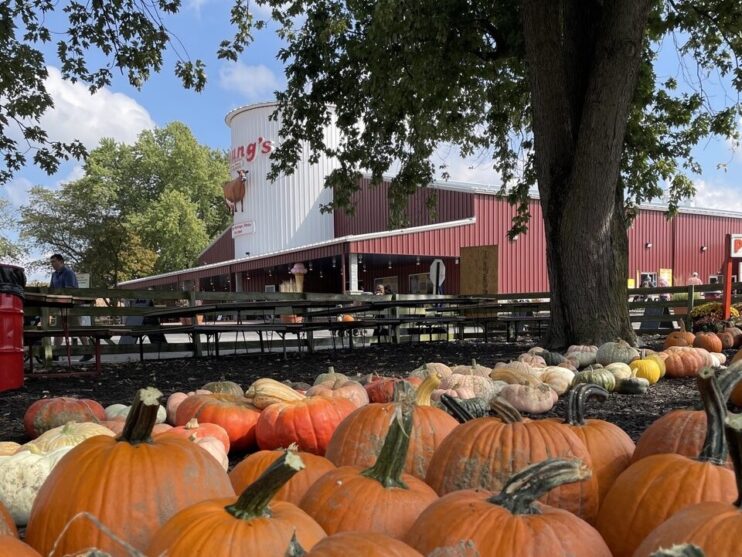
353 276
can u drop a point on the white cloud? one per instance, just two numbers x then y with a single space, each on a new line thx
476 169
17 191
716 196
78 114
256 83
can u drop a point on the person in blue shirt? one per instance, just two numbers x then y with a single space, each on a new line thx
64 277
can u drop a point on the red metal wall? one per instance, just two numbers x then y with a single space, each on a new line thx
372 209
221 250
694 231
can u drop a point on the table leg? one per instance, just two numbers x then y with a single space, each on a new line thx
67 340
97 355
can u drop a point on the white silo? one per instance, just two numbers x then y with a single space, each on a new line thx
281 214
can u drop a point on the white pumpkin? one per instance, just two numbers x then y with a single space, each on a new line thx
473 369
482 387
174 400
67 435
558 378
456 391
21 476
431 367
520 367
527 398
215 448
721 358
120 411
620 370
9 447
532 360
582 355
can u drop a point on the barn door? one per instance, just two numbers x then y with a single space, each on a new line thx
479 270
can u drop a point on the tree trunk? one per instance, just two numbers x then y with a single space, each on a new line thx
583 62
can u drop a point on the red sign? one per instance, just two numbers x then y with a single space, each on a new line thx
736 245
249 151
242 228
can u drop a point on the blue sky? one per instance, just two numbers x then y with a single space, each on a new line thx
121 111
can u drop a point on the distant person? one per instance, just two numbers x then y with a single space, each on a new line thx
379 290
64 277
694 280
663 283
388 290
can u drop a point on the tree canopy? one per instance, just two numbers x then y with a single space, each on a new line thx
151 207
564 93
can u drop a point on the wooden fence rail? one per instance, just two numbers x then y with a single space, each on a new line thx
123 311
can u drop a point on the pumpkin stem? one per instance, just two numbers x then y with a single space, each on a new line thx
733 430
403 391
461 414
391 460
426 388
295 549
523 488
141 417
714 446
684 550
575 411
253 503
505 411
192 424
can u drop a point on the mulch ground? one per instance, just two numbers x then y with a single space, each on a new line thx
118 382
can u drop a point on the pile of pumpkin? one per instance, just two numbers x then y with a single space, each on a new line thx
342 468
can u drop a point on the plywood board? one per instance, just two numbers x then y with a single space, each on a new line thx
479 270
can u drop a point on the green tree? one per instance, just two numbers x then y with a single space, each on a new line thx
10 250
139 209
563 92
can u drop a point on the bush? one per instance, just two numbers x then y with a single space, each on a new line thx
708 317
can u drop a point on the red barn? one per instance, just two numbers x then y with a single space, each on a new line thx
468 232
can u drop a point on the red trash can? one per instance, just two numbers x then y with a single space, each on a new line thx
12 282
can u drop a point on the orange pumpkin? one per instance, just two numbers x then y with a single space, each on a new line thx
708 341
736 333
133 484
727 340
237 416
654 488
254 524
252 466
609 446
7 526
358 439
378 499
309 423
381 389
49 413
13 547
486 452
367 544
682 361
712 526
341 388
511 522
195 430
679 338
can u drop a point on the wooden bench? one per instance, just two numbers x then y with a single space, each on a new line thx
32 337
